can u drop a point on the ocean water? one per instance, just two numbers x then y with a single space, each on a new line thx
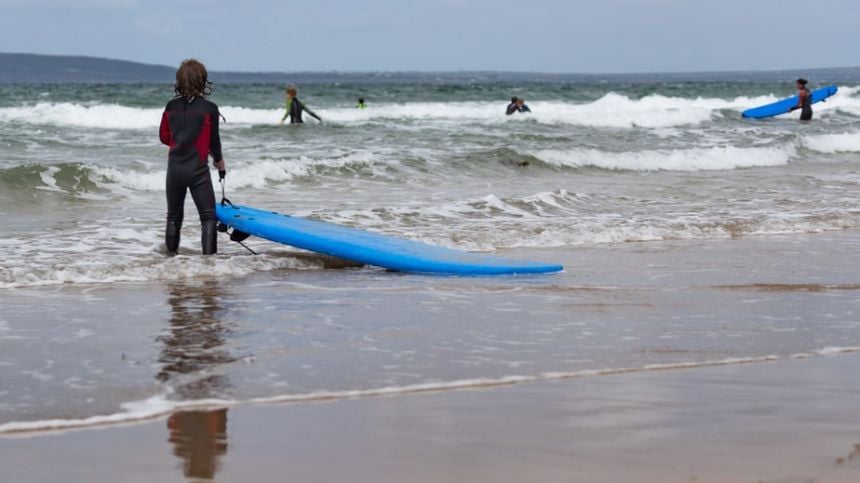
98 323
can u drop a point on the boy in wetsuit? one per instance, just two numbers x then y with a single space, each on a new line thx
804 101
361 104
521 105
295 107
189 126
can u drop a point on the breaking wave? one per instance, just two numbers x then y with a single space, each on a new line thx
613 110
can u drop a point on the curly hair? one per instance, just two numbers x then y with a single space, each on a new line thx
192 80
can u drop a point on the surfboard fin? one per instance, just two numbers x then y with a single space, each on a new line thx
235 235
238 236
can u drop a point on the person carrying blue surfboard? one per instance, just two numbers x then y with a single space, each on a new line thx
295 107
189 126
804 100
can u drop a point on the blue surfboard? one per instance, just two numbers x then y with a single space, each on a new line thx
370 248
785 105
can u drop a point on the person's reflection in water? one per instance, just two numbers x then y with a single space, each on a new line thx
193 350
199 438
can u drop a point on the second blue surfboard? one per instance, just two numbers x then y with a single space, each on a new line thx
785 105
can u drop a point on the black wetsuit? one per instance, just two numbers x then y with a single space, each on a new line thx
806 106
514 107
294 110
191 131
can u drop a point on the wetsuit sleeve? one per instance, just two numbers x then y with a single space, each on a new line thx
215 139
286 111
512 108
164 130
305 108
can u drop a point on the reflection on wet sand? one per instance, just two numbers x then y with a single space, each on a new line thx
851 455
192 349
199 439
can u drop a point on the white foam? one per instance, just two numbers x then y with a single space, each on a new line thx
131 253
115 116
829 351
158 406
49 182
834 143
612 110
112 268
107 116
134 411
695 159
556 219
257 174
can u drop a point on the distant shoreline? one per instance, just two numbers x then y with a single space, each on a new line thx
19 68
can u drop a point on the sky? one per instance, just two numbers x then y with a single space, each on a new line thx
570 36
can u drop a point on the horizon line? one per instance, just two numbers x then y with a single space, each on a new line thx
453 71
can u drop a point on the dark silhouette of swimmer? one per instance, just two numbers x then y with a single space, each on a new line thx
804 100
517 105
521 105
512 107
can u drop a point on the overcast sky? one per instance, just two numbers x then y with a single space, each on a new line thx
604 36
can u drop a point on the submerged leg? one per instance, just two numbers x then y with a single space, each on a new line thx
175 211
204 198
171 235
209 237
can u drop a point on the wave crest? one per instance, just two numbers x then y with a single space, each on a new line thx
613 110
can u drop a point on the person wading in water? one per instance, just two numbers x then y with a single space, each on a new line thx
189 126
804 101
295 107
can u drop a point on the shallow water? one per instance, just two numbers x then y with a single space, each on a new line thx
85 350
82 173
751 231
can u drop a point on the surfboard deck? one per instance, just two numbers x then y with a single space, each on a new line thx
371 248
784 106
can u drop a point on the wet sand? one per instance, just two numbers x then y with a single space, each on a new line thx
589 341
787 421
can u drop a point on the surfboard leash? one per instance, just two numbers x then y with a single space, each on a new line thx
235 236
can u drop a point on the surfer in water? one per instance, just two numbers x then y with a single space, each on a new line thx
189 126
517 105
295 107
512 107
521 105
804 101
361 104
